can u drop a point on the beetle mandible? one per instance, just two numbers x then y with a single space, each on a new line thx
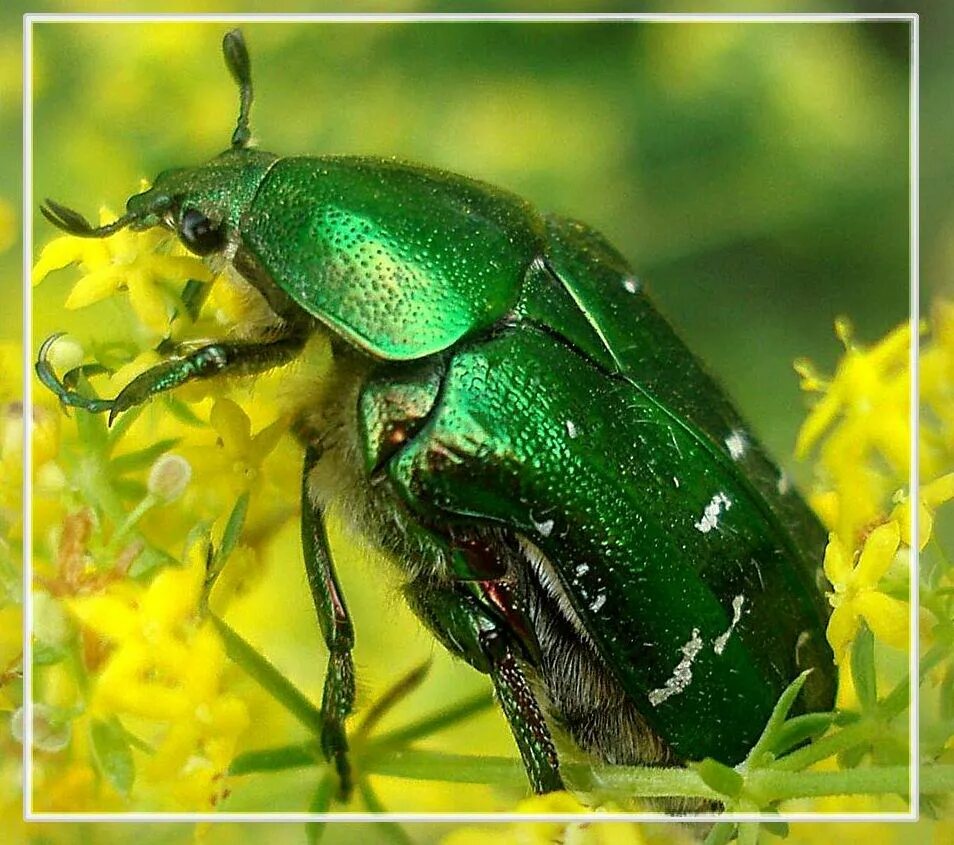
577 508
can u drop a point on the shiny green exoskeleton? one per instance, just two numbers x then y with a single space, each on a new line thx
579 511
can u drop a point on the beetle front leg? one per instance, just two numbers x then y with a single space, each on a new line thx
338 696
214 359
468 629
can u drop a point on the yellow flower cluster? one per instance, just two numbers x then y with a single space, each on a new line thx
163 673
134 675
145 264
860 428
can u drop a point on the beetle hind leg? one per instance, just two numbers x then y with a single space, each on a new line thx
470 631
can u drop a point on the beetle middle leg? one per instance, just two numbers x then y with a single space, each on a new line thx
338 696
214 359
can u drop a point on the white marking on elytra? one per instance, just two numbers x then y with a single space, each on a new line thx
571 429
598 602
720 642
582 569
682 674
710 518
736 443
631 284
545 528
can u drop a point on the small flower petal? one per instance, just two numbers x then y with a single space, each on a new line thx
837 561
888 618
841 630
877 554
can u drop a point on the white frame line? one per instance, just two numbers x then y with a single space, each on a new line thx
483 818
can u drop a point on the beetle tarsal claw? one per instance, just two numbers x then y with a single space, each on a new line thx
68 398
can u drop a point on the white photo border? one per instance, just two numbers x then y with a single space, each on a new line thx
30 19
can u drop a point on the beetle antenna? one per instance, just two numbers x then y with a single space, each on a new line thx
240 66
73 222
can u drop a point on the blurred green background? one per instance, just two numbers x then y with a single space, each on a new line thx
756 175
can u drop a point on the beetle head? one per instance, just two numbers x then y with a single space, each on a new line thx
201 204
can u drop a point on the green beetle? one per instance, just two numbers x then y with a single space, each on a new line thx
578 509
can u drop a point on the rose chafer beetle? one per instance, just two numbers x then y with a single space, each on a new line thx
577 508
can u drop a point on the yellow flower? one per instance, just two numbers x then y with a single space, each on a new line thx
930 497
544 833
861 426
856 593
166 672
242 452
128 260
937 392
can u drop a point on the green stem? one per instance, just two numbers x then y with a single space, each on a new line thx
777 785
93 480
149 501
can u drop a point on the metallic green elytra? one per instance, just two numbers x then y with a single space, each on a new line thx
577 508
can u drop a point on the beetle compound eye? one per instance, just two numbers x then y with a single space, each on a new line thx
198 233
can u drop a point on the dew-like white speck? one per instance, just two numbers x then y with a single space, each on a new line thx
631 285
736 443
545 528
571 429
582 569
783 485
720 642
710 518
682 674
598 602
675 481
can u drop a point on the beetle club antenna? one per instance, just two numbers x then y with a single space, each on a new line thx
73 222
240 66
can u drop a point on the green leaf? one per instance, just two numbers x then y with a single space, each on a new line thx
320 802
45 654
748 833
721 778
130 489
800 729
183 412
851 757
150 558
112 754
233 530
390 831
863 669
777 719
391 697
779 829
277 759
433 723
142 458
268 677
720 834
